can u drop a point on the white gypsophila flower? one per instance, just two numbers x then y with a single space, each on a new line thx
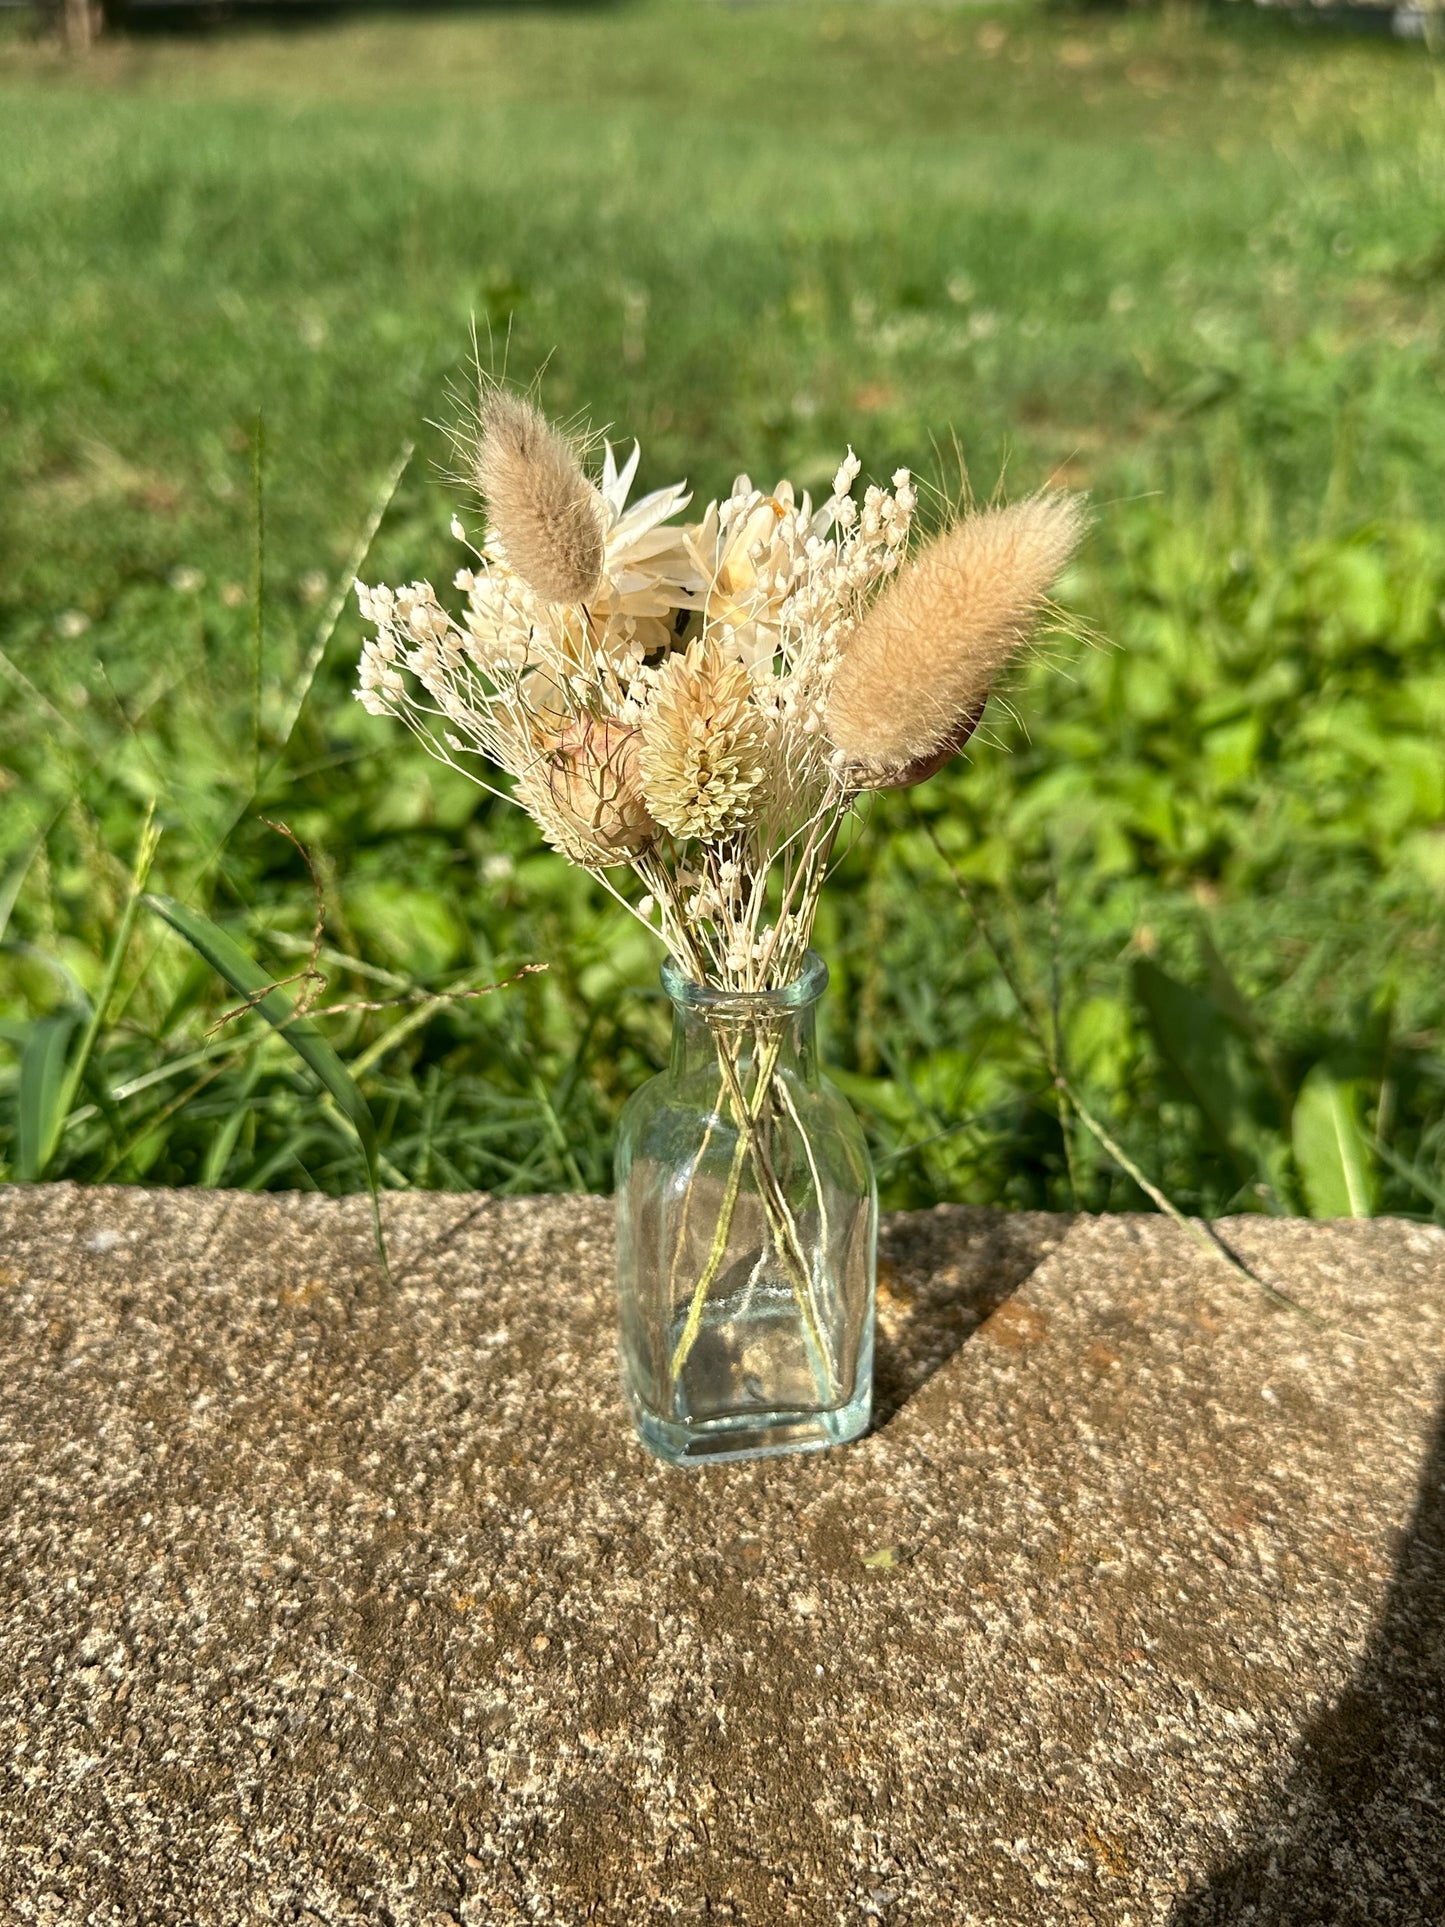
849 469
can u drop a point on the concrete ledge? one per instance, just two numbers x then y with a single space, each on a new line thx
327 1602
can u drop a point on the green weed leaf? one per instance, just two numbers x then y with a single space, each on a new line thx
1333 1154
1218 1068
42 1091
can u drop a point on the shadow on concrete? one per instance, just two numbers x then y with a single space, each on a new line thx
940 1274
408 1264
1358 1832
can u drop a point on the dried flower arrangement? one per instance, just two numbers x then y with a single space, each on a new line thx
703 704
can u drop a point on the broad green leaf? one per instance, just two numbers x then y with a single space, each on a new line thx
42 1090
416 929
1424 853
1239 1011
883 1096
1100 1037
1230 749
1336 1163
246 976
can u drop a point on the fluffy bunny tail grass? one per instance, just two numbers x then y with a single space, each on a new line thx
916 671
541 504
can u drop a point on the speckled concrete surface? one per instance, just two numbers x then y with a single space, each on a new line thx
328 1602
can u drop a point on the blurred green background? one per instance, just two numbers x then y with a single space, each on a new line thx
1194 262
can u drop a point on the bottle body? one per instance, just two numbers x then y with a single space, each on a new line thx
746 1235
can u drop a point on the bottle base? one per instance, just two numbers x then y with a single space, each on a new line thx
752 1435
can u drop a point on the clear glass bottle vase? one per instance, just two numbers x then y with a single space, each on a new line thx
747 1226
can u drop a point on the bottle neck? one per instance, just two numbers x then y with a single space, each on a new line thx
757 1030
787 1043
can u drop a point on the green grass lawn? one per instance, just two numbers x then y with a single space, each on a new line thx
1194 264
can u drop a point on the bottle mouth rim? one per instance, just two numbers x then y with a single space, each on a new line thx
806 988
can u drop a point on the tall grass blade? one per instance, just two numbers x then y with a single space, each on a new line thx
219 1150
258 591
332 613
42 1083
1428 1187
74 1073
313 663
13 881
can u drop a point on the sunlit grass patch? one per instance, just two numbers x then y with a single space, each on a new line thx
1195 267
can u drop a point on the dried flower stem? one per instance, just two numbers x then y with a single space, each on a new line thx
748 1114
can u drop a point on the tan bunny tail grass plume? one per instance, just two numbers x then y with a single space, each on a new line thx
542 506
915 673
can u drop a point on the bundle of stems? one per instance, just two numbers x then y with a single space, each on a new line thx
754 1116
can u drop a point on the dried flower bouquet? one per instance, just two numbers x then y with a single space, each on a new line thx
703 703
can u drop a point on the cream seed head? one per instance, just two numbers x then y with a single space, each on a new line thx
914 674
704 743
546 514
